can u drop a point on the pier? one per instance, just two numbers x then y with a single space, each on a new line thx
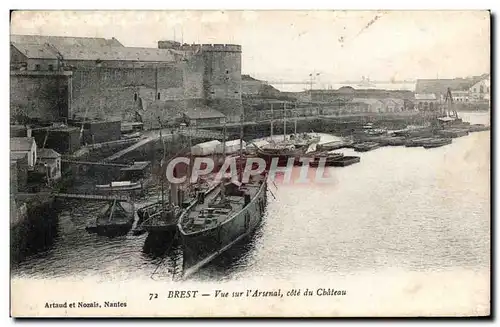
94 163
154 135
92 197
81 196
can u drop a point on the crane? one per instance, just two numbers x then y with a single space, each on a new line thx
449 107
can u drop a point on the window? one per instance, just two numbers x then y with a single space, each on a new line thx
51 67
37 67
158 95
135 96
481 89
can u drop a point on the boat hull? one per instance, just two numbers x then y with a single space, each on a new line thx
201 247
346 161
152 219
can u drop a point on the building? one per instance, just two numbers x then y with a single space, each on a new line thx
25 146
50 162
480 91
462 89
203 116
394 105
426 102
461 96
349 93
369 105
96 79
63 139
18 172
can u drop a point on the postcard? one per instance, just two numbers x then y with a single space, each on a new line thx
250 163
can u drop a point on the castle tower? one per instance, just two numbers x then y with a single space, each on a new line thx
212 73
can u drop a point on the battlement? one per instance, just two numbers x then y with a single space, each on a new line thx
197 47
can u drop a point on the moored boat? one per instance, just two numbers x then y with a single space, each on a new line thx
345 161
120 186
366 146
282 152
114 219
334 145
219 218
327 158
438 142
417 142
478 128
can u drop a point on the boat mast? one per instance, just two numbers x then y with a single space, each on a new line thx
272 118
295 124
162 163
241 138
284 121
190 144
223 188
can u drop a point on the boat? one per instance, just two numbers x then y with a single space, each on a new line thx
120 186
345 161
418 141
376 131
394 141
453 132
294 147
365 146
162 216
220 217
303 140
334 145
114 219
326 157
478 128
158 217
282 152
438 142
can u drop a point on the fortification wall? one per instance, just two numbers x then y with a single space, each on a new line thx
218 67
39 95
119 93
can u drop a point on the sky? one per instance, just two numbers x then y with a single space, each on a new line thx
290 45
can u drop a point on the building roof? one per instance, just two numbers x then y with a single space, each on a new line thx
21 143
65 40
367 101
35 51
108 53
47 154
440 86
426 96
399 102
203 113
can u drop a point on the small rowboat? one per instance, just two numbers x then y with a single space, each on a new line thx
120 186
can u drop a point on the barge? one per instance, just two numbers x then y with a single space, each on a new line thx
366 146
219 218
438 142
334 145
346 161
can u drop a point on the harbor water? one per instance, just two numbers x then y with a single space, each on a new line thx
410 209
